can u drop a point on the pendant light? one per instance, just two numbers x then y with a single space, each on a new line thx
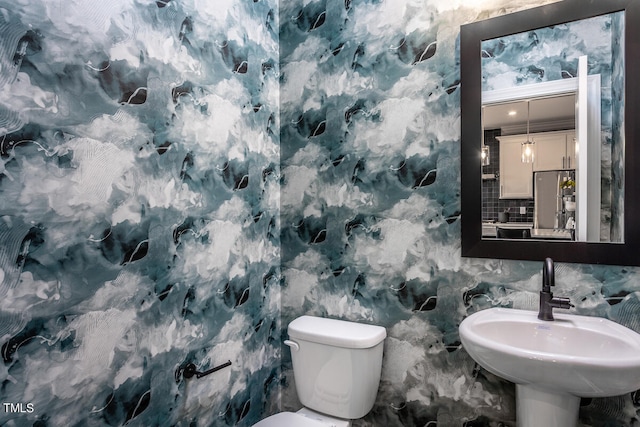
527 147
484 153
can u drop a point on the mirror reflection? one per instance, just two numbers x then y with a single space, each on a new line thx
552 150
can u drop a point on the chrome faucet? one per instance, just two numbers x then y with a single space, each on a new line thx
547 300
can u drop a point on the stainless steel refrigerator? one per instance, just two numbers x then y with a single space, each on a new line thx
554 202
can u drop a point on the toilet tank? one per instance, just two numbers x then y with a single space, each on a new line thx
336 364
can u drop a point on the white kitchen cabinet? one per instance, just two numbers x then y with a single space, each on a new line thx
516 178
554 150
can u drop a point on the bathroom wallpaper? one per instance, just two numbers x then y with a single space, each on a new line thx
182 178
139 212
370 209
548 54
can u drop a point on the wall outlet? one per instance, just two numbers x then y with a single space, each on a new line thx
523 210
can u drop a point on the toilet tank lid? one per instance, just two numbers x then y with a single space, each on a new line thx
338 333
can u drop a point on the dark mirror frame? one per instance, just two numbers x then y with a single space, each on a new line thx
471 36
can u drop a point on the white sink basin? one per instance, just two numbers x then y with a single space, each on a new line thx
555 361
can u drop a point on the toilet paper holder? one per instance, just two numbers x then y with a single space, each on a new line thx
191 370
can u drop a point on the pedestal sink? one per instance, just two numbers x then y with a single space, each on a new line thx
554 363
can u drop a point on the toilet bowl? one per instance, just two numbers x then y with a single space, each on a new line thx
303 418
336 366
289 419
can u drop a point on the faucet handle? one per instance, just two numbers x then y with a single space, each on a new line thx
560 302
548 275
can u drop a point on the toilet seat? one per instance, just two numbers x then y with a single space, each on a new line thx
289 419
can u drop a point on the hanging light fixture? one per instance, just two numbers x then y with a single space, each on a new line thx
484 153
527 147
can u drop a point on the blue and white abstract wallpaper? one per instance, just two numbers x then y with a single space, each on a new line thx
139 212
181 178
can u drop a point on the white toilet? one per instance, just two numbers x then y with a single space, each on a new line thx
336 366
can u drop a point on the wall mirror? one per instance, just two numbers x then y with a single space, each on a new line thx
549 135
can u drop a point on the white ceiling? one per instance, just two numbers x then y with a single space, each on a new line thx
549 109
